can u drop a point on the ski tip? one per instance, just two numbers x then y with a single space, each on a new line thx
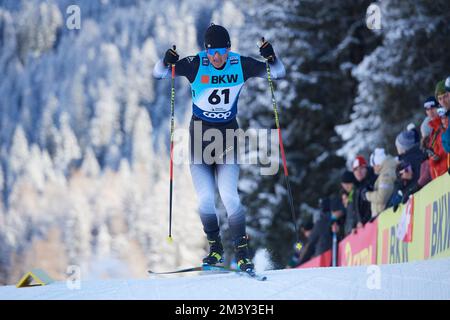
169 239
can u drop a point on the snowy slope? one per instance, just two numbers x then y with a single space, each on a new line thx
418 280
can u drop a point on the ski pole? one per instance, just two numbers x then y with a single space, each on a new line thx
334 251
172 116
283 156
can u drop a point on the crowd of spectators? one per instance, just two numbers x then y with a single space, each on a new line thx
383 181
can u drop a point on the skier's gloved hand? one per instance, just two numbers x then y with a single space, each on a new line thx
266 50
171 57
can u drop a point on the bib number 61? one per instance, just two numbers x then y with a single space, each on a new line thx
214 98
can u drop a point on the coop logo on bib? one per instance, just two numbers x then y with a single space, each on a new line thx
217 115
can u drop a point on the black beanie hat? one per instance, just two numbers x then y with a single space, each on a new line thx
348 177
217 37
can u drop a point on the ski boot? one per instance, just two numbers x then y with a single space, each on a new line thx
215 255
242 255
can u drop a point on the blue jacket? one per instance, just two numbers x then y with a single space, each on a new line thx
446 138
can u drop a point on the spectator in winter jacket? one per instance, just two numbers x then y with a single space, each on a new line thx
409 151
348 182
430 105
321 237
365 177
384 166
446 104
439 160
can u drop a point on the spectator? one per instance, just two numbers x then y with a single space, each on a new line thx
348 189
442 94
409 151
446 104
430 105
320 239
337 218
384 166
404 185
365 177
408 185
305 232
439 160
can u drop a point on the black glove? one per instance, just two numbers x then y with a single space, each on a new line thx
266 50
171 57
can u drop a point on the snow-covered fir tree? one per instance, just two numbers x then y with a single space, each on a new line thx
397 77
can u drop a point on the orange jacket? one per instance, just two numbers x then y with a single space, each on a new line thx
440 166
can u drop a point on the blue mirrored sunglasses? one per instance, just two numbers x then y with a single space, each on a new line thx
212 51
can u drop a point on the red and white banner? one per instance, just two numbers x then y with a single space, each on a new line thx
404 229
359 248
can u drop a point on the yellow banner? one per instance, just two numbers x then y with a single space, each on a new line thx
431 226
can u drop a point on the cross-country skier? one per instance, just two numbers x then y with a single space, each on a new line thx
217 75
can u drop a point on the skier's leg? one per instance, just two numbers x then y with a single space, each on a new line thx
227 178
204 183
227 182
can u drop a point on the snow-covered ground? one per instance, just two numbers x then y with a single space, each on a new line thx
417 280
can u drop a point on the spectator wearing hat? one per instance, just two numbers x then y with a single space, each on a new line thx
409 151
404 175
365 178
348 182
442 94
408 185
430 105
446 134
384 166
439 159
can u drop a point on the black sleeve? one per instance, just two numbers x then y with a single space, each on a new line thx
252 68
188 67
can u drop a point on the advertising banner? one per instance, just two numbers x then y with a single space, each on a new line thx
359 248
